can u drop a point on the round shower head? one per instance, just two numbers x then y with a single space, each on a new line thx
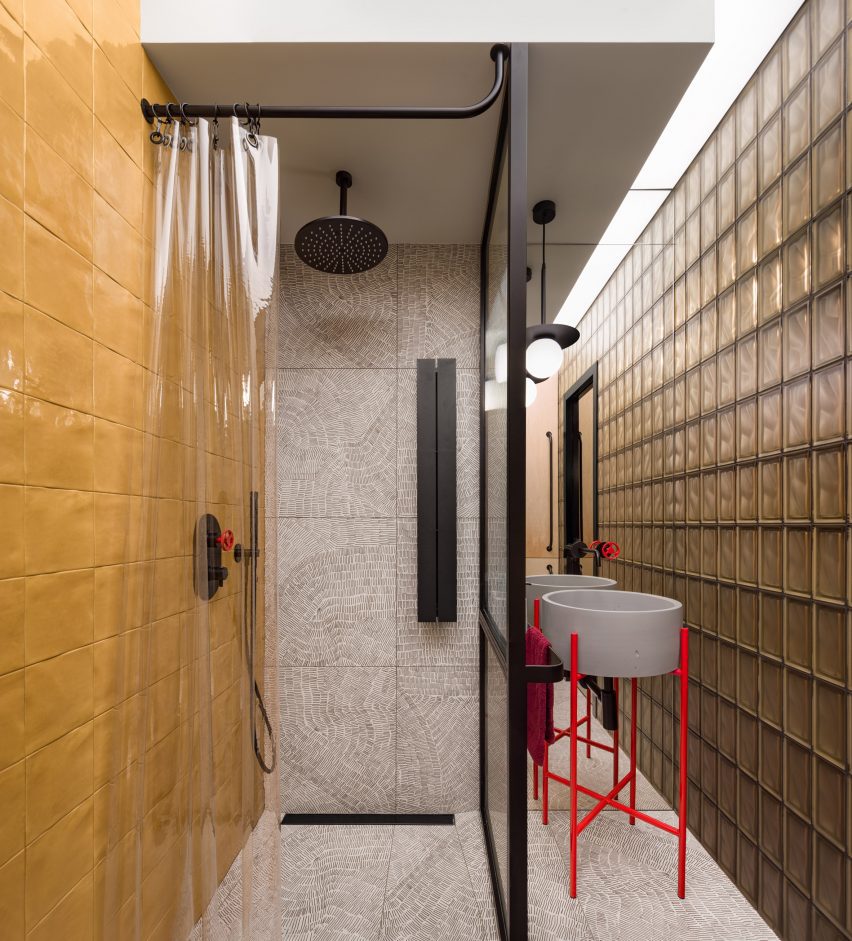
341 244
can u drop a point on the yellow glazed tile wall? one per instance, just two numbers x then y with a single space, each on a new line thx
76 194
724 351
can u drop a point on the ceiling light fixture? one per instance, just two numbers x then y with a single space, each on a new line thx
546 342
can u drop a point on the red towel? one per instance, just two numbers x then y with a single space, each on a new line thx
539 698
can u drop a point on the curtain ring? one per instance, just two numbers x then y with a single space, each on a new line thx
184 118
215 127
156 136
253 128
171 117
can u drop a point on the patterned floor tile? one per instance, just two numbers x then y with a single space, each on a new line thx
472 839
333 882
429 892
594 772
627 885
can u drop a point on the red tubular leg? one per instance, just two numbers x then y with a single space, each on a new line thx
615 738
633 685
535 781
545 780
574 672
589 727
684 728
537 613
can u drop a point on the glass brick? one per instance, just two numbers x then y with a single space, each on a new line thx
797 123
769 153
828 167
797 195
828 326
797 268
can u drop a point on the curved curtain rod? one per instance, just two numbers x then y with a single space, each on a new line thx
499 53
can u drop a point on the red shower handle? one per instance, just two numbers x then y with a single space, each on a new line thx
608 550
226 540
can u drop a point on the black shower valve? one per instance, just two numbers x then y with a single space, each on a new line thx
218 573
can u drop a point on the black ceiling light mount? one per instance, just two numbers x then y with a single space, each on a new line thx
542 361
341 244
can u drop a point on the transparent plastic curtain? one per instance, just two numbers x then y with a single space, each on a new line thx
188 815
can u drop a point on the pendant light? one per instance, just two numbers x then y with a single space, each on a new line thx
546 342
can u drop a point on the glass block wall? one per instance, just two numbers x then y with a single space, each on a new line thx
724 342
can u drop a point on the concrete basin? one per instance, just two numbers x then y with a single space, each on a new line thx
620 633
538 585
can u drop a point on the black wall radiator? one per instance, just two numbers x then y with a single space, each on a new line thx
437 563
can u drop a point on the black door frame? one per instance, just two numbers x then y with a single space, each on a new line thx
510 651
573 476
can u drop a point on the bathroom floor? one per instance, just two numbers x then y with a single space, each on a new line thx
431 883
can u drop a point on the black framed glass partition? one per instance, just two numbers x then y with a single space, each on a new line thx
502 495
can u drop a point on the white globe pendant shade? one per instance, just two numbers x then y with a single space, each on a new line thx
532 392
544 357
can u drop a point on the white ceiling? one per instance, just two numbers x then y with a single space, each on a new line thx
596 110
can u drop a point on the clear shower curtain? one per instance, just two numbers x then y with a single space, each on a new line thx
188 812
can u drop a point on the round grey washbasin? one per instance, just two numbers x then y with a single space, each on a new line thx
538 585
620 633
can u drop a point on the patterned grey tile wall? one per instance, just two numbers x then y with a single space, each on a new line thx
437 731
338 729
379 712
337 443
334 322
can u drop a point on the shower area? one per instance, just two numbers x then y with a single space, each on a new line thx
187 743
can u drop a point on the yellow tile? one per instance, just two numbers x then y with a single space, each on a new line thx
72 919
115 34
12 514
11 155
117 178
13 802
117 247
11 61
59 613
112 535
58 364
118 382
58 280
11 342
61 118
12 710
59 530
54 27
131 12
117 449
59 446
11 249
58 860
83 9
59 777
11 624
11 437
59 696
58 197
118 317
117 108
12 881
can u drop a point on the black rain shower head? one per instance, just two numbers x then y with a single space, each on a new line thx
341 244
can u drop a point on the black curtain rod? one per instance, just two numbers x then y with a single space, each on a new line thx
176 112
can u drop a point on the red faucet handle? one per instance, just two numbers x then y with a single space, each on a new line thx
226 540
610 550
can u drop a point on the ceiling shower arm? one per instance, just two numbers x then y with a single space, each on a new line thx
499 53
